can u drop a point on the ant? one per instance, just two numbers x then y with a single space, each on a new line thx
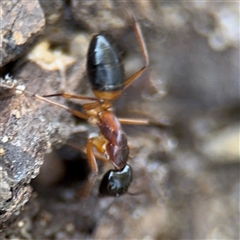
106 75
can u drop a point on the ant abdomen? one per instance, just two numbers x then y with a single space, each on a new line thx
104 66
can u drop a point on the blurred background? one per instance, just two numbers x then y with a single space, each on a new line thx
186 167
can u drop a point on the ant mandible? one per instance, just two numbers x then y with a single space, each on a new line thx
106 75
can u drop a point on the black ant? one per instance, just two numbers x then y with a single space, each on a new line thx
106 75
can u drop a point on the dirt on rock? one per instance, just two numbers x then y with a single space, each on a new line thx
186 167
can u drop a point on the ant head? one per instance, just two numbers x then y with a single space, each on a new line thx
116 182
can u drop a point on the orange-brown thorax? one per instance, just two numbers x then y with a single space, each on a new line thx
112 140
117 147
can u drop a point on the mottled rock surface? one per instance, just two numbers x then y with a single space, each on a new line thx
186 176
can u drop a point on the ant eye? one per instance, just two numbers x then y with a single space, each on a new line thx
115 182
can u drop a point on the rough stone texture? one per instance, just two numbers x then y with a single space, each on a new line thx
21 22
186 177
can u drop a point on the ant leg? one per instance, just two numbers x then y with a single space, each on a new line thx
144 51
67 95
134 121
87 106
72 111
99 143
83 150
87 187
141 40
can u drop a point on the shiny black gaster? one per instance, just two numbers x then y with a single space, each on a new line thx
104 67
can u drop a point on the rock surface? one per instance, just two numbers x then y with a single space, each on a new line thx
186 176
